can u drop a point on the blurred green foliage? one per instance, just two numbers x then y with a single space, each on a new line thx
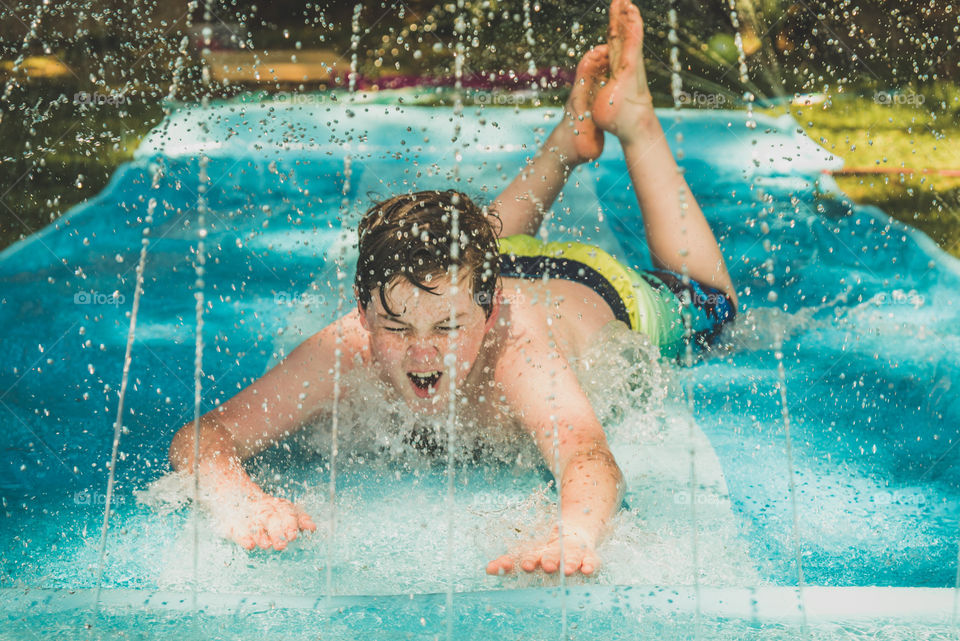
147 50
906 133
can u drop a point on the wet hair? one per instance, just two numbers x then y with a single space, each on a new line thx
411 236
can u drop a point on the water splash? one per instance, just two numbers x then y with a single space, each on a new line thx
765 336
127 359
450 358
676 85
778 338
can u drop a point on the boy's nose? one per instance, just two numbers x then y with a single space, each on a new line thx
422 352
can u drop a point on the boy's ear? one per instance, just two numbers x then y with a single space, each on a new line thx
361 312
494 310
363 317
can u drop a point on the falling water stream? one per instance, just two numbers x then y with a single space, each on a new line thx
203 181
676 86
544 233
781 385
341 274
156 171
199 268
450 358
127 358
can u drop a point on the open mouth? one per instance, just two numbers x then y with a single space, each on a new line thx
424 383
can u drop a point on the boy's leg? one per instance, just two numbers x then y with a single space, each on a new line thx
677 231
522 205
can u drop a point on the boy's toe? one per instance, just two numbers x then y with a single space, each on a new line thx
549 565
500 566
590 563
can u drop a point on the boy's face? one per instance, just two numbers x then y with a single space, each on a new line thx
410 349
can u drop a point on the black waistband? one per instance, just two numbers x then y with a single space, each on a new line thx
530 267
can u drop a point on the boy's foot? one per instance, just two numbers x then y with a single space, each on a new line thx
624 103
588 137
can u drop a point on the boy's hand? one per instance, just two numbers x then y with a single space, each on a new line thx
578 554
264 521
624 104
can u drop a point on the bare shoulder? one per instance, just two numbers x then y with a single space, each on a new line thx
524 342
535 376
345 333
296 389
566 313
318 354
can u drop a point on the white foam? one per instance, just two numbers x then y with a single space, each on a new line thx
393 509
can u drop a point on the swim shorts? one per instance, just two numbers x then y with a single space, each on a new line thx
648 301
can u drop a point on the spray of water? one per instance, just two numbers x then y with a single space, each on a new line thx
18 62
127 359
450 358
676 86
203 180
341 304
337 385
37 19
778 339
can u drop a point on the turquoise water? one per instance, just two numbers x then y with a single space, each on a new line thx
867 308
609 613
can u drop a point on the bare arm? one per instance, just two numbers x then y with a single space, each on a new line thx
540 385
274 406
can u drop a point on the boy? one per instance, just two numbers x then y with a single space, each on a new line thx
417 304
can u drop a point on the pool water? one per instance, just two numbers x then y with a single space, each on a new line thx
865 306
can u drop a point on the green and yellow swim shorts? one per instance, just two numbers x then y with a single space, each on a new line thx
648 301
